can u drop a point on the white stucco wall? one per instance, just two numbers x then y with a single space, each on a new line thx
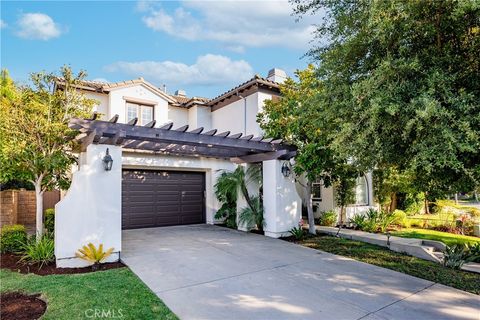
199 116
282 204
91 209
102 106
231 117
179 116
210 166
117 102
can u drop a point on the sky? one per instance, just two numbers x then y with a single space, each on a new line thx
203 47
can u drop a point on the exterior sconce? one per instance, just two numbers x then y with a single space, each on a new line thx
107 161
286 169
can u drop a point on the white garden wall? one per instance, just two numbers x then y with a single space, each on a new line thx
91 209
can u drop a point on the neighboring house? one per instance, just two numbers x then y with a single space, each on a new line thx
164 174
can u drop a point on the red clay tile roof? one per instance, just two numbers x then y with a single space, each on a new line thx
180 101
256 80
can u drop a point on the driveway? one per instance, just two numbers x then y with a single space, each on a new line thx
209 272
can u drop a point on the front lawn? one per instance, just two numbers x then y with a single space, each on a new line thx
445 237
115 292
385 258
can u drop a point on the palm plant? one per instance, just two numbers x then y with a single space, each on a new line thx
227 187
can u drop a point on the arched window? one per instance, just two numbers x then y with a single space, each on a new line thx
361 191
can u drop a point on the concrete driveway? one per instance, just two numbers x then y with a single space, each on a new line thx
208 272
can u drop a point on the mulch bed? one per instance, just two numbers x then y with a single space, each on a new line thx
19 306
12 262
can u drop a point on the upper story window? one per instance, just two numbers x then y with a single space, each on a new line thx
361 191
144 113
317 190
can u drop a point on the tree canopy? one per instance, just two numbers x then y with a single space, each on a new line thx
399 84
35 141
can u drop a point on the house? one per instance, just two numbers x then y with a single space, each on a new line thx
166 152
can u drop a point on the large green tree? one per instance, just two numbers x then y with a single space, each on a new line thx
35 141
401 83
299 119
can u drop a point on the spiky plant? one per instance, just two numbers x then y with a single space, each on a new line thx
91 254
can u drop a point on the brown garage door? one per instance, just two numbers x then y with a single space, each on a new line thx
162 198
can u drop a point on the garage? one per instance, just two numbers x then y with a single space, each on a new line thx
162 198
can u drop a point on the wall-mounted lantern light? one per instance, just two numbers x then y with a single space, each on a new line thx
286 169
107 161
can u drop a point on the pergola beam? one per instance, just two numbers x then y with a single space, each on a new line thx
180 141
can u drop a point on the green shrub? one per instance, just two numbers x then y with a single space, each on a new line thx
358 221
371 224
328 218
39 251
414 203
50 221
474 252
373 220
297 232
12 238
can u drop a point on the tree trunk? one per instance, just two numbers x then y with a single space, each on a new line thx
343 215
427 210
393 202
309 203
456 198
39 209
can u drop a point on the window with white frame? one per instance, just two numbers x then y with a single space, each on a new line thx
317 190
144 113
361 191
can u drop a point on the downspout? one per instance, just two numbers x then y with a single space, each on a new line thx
244 113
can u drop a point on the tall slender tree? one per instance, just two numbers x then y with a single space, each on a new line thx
35 141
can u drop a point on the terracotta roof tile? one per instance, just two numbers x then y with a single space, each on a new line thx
179 101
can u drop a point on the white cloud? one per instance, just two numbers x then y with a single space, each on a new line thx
100 80
208 70
3 24
236 24
37 26
236 49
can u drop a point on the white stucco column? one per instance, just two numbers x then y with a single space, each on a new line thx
281 202
91 211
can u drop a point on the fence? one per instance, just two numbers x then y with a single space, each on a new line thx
19 206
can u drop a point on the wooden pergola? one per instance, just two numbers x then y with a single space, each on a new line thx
180 141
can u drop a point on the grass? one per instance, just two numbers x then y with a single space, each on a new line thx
385 258
76 296
445 237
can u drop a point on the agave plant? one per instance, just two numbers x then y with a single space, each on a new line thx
455 256
91 254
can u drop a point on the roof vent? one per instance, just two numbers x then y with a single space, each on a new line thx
277 75
181 93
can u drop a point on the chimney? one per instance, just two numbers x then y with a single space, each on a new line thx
181 93
277 75
164 88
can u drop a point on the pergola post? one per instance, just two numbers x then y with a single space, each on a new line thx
281 202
